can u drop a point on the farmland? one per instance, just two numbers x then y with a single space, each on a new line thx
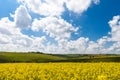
11 57
40 66
60 71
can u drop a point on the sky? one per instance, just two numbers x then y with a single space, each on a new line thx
60 26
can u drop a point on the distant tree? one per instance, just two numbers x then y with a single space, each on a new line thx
91 56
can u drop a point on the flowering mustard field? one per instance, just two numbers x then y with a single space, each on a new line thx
60 71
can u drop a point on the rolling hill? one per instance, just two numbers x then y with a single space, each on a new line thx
10 57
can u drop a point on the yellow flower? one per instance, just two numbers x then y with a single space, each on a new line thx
102 77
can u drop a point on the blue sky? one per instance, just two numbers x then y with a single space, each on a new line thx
65 26
95 19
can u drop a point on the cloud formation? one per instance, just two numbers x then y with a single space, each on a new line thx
21 17
54 26
45 7
78 6
57 7
115 28
12 39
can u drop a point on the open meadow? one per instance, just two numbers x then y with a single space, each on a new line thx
34 57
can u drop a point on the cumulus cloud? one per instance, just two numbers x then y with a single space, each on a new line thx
56 7
21 17
46 7
5 30
107 44
12 38
115 28
115 31
5 22
55 27
78 6
77 46
65 46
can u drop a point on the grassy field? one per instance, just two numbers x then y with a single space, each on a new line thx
40 57
60 71
39 66
27 57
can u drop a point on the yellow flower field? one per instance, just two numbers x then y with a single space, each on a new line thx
60 71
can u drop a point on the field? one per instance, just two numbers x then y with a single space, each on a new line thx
60 71
40 66
12 57
6 57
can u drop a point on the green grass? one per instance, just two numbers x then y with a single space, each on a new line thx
40 57
27 57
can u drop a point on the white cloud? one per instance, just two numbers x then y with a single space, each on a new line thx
115 34
46 7
92 47
38 44
77 46
116 47
52 48
64 46
102 40
56 7
108 44
115 28
4 26
11 38
55 27
5 30
21 17
78 6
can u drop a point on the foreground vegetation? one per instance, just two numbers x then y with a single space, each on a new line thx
11 57
60 71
